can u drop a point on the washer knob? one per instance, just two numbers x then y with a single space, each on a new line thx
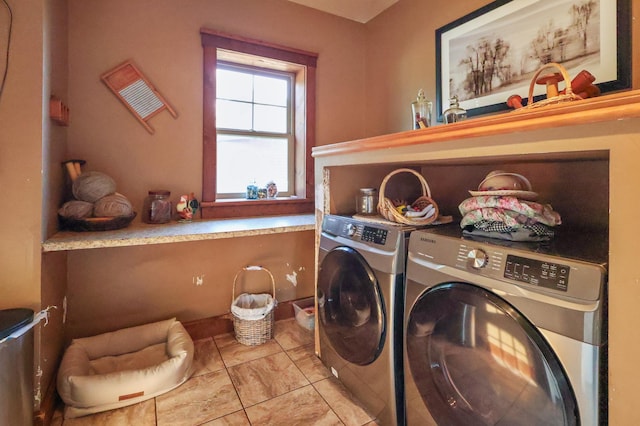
477 258
351 229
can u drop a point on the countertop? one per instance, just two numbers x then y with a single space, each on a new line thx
139 233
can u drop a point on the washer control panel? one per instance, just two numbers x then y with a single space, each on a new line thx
358 231
374 235
537 272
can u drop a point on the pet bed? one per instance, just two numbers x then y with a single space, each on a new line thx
124 367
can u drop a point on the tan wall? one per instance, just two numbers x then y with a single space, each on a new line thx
162 38
21 158
49 340
401 58
31 149
118 287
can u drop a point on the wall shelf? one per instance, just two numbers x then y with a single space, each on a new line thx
138 234
617 106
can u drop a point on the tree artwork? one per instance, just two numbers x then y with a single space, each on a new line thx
486 63
495 60
581 14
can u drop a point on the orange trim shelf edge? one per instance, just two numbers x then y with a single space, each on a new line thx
593 110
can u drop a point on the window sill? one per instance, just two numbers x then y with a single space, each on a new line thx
138 233
227 209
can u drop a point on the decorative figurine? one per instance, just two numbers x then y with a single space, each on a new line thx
252 191
187 207
272 189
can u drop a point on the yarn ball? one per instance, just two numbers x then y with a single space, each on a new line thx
76 209
91 186
112 205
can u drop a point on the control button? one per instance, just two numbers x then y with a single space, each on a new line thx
351 229
477 258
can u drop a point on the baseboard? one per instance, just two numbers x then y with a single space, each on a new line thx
48 406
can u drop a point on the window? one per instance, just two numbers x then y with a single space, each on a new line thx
254 122
259 124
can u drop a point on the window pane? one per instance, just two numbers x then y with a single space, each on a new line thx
243 160
234 85
271 90
270 119
233 115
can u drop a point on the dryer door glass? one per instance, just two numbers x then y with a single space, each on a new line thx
477 360
350 306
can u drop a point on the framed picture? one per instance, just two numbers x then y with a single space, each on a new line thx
493 52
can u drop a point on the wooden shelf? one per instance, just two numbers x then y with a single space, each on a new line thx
593 110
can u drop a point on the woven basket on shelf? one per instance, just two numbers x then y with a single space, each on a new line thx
257 329
387 208
567 96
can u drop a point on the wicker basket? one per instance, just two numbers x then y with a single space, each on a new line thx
387 208
567 96
259 330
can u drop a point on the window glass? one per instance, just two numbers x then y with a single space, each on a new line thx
251 159
234 115
270 90
270 119
253 107
234 85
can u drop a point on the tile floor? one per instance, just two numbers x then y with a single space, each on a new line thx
281 382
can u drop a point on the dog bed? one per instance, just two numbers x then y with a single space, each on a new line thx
124 367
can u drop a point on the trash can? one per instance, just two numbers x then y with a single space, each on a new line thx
16 368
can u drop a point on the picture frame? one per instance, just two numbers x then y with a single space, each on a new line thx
493 52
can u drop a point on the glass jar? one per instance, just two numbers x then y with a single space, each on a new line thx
454 113
367 201
421 111
157 207
252 191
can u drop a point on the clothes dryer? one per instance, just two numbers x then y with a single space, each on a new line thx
501 333
360 299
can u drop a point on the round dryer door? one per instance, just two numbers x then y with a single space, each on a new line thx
350 306
477 361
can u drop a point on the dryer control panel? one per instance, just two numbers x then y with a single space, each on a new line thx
569 278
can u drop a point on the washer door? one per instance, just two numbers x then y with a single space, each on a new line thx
350 306
477 361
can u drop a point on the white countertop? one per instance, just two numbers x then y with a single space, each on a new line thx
139 233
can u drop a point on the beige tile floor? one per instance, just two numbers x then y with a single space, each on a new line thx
281 382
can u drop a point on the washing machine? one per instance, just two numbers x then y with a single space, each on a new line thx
505 333
360 299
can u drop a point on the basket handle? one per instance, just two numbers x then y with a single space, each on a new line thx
252 268
567 80
426 191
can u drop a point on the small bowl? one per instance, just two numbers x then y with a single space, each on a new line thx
504 181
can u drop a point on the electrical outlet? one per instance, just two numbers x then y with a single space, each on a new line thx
198 280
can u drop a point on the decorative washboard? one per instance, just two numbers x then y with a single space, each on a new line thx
136 93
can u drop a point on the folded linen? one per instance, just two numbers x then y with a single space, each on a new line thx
511 211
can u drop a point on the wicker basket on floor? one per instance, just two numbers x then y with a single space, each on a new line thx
387 208
567 96
255 329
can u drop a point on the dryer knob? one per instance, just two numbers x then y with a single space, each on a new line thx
351 229
477 258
